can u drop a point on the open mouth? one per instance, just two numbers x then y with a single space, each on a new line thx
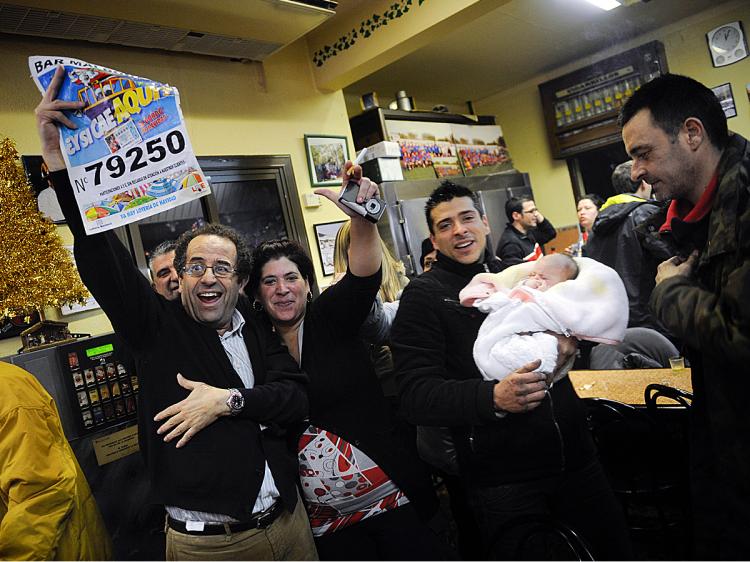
464 245
283 305
209 297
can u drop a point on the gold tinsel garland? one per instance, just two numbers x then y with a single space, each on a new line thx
35 269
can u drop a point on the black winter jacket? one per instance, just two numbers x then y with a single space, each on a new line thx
432 342
617 243
514 246
345 394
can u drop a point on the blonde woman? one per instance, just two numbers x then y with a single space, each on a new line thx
394 273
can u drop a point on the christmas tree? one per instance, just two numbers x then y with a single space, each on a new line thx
35 269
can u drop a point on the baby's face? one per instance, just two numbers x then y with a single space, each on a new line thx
545 275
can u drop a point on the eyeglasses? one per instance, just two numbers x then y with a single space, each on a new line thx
199 269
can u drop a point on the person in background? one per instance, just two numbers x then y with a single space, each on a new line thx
518 454
525 234
47 510
428 255
588 209
394 275
618 243
164 278
676 132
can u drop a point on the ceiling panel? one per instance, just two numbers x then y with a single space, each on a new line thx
514 43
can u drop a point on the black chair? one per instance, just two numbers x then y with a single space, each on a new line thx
638 456
655 391
538 537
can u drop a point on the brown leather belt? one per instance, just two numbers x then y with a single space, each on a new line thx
258 521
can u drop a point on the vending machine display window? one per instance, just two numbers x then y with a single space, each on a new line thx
103 385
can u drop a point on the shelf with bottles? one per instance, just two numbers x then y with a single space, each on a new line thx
602 102
581 107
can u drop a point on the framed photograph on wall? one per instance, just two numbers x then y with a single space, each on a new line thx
325 234
726 99
326 156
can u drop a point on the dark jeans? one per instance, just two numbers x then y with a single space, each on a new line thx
582 499
395 535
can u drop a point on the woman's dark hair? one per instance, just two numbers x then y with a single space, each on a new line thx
275 249
595 198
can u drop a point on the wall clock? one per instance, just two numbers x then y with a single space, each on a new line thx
727 44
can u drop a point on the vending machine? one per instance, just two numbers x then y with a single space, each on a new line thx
95 387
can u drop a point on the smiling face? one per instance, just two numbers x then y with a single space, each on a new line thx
587 213
669 165
166 281
459 231
208 299
283 292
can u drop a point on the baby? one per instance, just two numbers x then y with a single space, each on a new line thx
571 296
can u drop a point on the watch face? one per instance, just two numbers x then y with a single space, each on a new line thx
725 39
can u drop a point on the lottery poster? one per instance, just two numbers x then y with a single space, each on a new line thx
130 156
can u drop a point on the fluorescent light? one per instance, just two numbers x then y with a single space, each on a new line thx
605 4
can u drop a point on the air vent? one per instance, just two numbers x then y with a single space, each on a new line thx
24 20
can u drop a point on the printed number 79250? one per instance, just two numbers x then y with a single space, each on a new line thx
116 165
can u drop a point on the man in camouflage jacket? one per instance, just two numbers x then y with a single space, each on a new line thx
676 133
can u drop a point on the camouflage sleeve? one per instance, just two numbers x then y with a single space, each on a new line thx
717 324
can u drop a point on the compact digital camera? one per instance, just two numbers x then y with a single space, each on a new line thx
372 209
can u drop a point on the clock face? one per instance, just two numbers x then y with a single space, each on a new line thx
725 39
727 44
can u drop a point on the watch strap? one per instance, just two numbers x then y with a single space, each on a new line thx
235 401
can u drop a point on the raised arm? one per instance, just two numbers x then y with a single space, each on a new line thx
106 267
545 231
364 248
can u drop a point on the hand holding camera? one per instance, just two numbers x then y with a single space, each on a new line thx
358 195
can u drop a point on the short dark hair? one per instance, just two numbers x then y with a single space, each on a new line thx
446 191
671 99
595 198
427 248
280 248
242 267
515 205
163 248
621 181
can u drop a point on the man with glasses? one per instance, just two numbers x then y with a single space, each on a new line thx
232 493
527 231
164 278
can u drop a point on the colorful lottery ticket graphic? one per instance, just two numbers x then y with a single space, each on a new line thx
130 156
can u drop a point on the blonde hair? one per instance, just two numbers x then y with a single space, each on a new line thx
394 272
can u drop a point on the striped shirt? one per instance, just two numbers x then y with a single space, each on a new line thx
236 350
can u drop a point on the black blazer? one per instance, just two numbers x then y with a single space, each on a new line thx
221 469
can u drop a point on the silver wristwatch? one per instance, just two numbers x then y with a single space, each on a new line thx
235 401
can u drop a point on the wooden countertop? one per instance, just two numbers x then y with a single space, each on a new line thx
627 385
